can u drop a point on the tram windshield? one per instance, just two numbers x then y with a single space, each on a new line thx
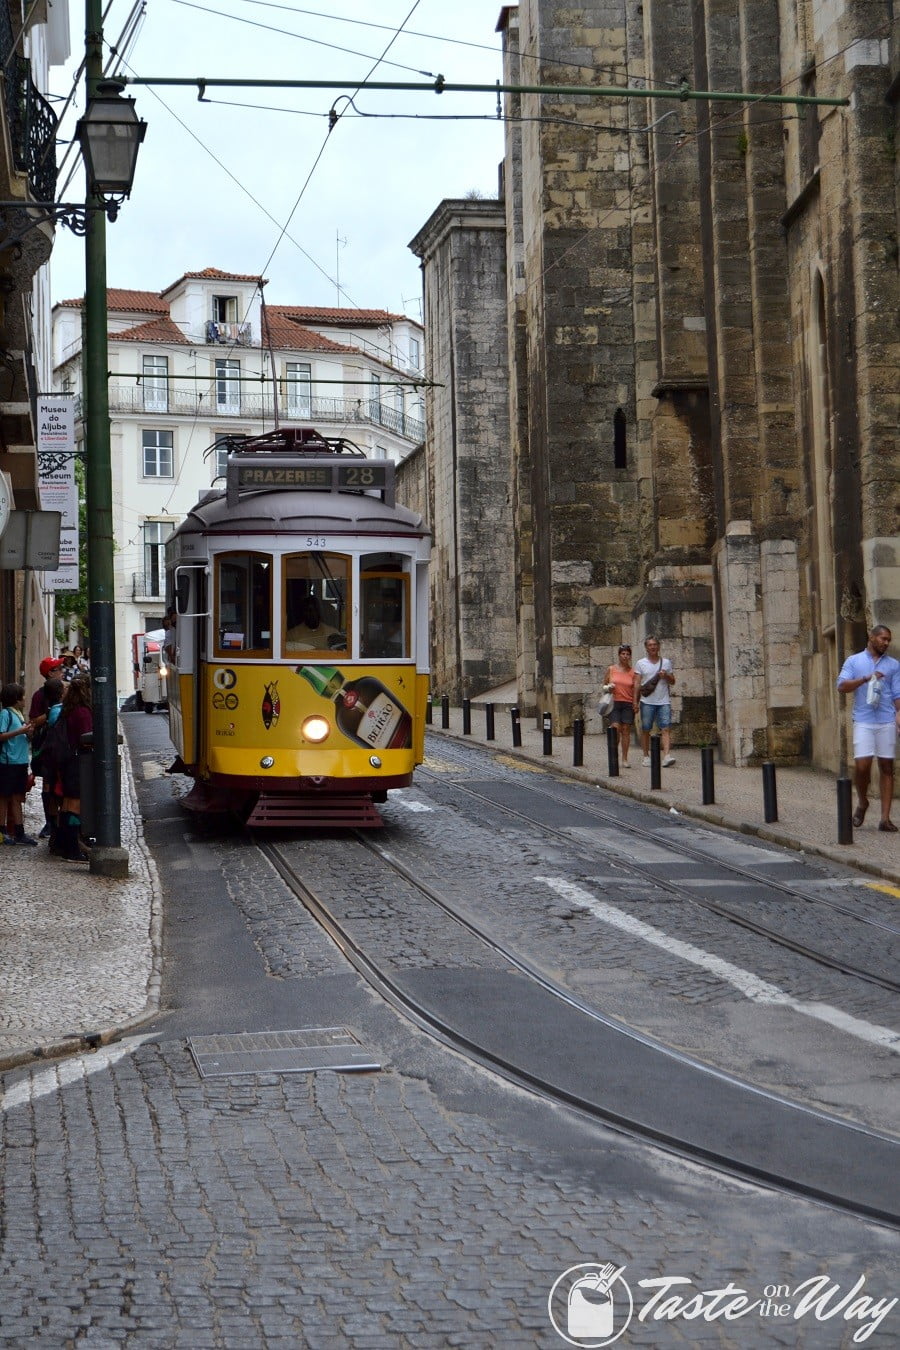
316 603
244 603
385 607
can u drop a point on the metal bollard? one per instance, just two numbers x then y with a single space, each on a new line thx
578 742
707 775
467 717
655 764
445 712
429 712
770 793
548 733
516 727
845 810
612 751
489 721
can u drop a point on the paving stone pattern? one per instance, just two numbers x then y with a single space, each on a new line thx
145 1207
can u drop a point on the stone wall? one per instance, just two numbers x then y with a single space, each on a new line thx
702 346
468 451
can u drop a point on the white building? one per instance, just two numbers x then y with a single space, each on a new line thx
208 358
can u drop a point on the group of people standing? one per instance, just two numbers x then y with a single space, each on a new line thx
45 745
643 688
872 676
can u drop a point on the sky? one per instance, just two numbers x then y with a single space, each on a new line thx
253 182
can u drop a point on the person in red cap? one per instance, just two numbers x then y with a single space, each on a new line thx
50 668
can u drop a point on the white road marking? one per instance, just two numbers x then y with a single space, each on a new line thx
60 1075
748 984
412 805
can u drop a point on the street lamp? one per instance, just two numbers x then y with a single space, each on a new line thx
109 134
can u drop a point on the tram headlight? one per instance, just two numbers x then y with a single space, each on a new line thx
315 729
267 761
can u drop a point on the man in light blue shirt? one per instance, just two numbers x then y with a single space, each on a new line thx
873 678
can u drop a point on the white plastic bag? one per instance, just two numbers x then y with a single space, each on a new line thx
873 693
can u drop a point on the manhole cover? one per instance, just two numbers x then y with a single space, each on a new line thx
260 1052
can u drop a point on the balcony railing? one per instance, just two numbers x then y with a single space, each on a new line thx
141 401
32 122
146 586
229 334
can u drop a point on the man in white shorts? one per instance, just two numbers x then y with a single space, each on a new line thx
873 678
653 698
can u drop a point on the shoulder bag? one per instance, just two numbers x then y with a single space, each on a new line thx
648 686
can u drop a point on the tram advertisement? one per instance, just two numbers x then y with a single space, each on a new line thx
368 707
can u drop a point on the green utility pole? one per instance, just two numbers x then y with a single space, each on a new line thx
108 857
684 93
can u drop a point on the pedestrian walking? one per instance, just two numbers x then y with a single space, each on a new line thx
873 677
652 696
621 679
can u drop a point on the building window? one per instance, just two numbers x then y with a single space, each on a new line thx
298 381
380 452
415 353
620 442
155 380
224 309
375 409
158 453
156 532
228 386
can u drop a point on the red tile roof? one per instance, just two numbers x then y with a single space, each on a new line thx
154 330
210 274
343 318
284 332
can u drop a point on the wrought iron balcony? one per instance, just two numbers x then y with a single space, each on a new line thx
147 586
153 401
32 122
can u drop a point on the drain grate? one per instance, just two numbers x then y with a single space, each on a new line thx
258 1052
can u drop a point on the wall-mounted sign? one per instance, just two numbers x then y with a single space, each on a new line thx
31 539
5 502
59 491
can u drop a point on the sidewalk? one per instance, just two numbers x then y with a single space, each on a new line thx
806 798
79 954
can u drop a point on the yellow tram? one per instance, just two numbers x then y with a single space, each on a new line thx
298 692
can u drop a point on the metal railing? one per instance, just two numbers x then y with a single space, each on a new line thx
32 122
138 400
146 586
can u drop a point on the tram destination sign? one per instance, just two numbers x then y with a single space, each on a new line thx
268 473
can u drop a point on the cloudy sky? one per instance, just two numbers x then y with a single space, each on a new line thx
253 182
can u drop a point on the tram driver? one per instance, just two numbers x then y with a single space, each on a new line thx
311 632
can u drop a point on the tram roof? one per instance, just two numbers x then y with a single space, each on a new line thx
279 512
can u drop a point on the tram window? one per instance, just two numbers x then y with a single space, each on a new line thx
244 604
385 607
316 608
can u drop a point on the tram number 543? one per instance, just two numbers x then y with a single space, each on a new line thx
316 541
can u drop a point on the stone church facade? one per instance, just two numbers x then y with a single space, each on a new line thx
699 313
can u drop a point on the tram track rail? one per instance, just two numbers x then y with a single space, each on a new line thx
514 1024
697 899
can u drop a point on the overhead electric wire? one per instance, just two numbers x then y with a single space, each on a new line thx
302 37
